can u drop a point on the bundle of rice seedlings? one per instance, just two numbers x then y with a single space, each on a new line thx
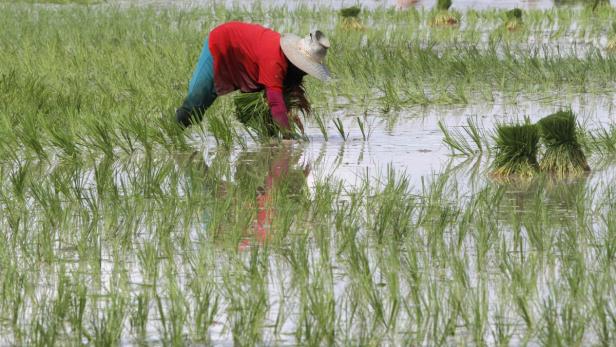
516 150
515 13
444 18
350 18
611 43
252 110
563 155
443 5
514 20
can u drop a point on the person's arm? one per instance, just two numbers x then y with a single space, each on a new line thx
278 108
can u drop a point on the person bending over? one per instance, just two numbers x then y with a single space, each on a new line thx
250 58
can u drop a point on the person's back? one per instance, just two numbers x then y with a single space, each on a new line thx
247 57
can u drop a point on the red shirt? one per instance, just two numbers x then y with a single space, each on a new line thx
247 57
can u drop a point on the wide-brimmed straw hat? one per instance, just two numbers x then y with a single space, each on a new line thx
307 53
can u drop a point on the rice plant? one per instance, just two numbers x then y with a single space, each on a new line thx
350 18
108 235
563 154
252 110
443 5
514 20
458 141
340 127
444 17
516 148
611 43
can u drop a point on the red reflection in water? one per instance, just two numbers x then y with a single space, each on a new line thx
278 171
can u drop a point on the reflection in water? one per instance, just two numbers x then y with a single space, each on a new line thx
262 182
530 200
274 175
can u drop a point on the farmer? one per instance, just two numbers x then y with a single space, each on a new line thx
250 57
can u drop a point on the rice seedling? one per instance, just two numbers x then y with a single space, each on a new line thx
516 148
251 109
321 124
340 127
563 154
443 17
602 140
109 235
611 43
514 20
458 141
350 18
362 128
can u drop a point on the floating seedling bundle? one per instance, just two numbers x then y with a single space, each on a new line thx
252 110
516 150
563 154
514 20
443 17
350 18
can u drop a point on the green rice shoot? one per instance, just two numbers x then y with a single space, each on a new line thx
611 43
514 20
444 18
516 148
350 18
350 12
515 13
443 5
252 110
563 155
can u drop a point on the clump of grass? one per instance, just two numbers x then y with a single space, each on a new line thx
443 17
350 18
516 150
563 154
252 110
514 20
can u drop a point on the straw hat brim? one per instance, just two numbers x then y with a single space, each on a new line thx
290 44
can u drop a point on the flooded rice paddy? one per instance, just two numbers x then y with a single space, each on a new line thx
369 4
118 228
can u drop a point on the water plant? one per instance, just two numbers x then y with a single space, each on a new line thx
516 148
563 154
